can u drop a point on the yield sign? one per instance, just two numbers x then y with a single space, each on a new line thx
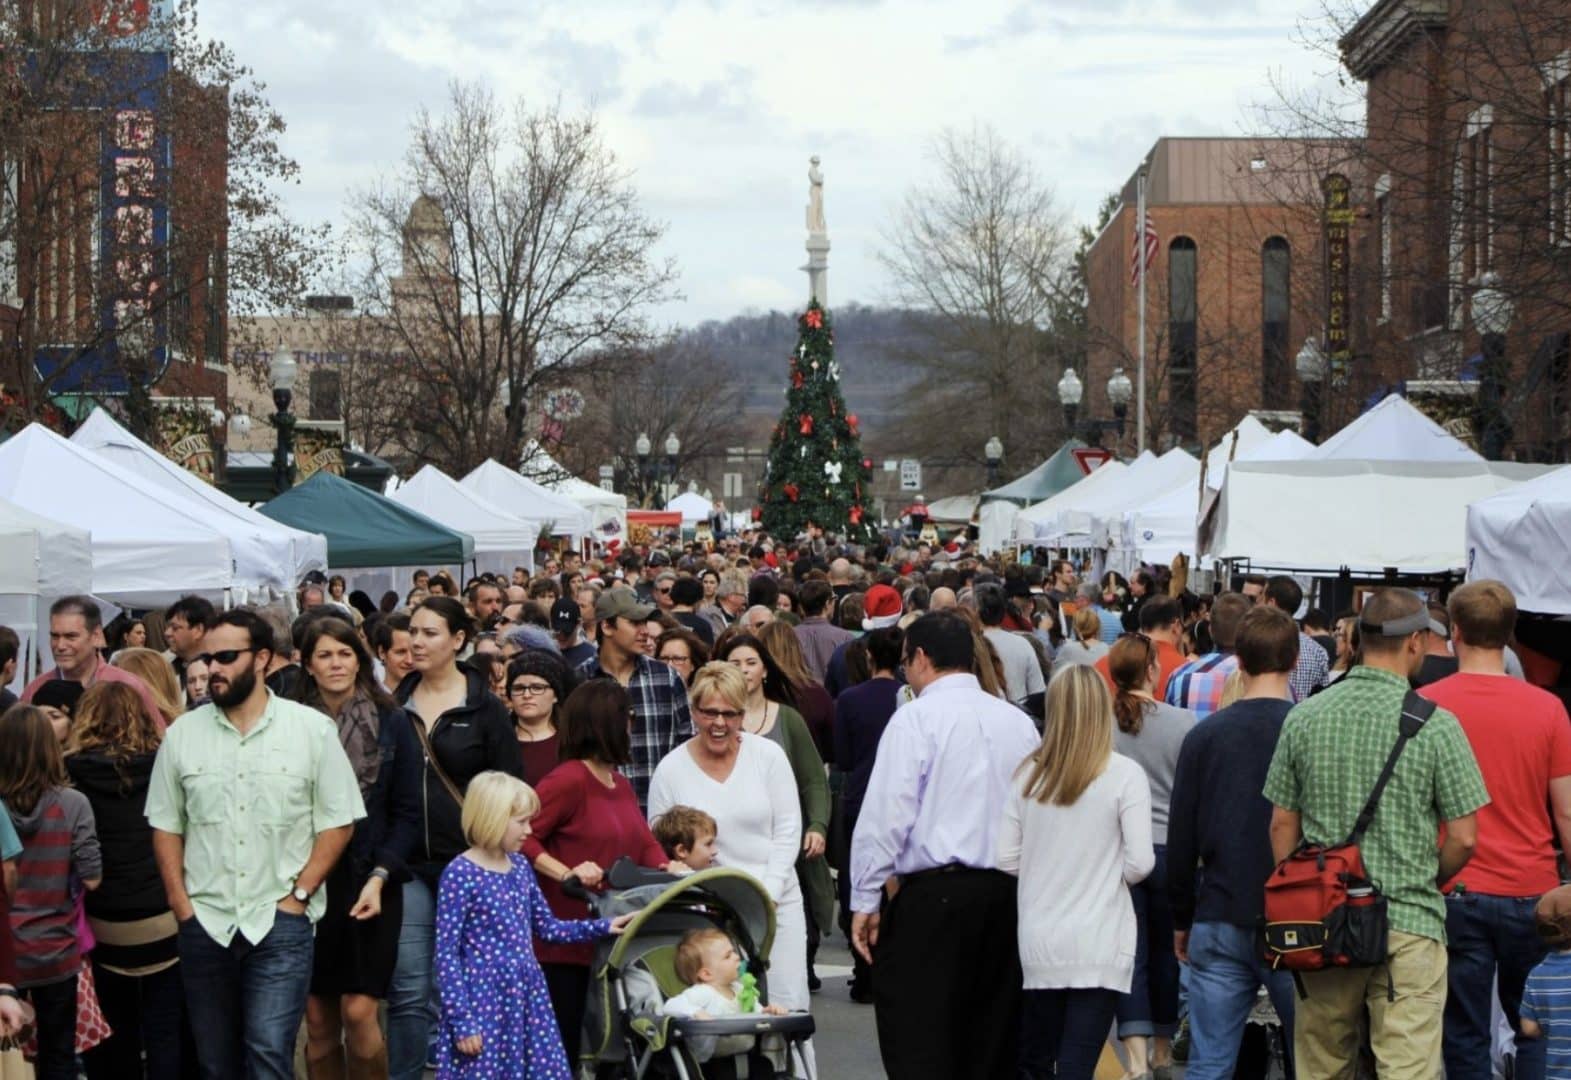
1091 458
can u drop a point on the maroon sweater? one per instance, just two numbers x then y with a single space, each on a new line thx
582 820
59 850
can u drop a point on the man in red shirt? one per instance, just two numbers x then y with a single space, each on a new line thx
1521 737
75 634
1161 620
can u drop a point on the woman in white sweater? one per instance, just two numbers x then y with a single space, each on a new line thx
1077 834
745 783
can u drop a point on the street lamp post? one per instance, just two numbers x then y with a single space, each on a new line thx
281 372
1311 367
1070 391
641 450
673 451
1119 391
1492 312
994 452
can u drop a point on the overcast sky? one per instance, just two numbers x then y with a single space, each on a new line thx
716 105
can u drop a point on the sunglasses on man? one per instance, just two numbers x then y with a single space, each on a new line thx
224 657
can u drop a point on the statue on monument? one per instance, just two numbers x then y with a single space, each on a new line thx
815 198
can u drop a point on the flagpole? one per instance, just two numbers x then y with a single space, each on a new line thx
1140 381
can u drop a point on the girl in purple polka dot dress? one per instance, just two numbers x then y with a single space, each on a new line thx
497 1022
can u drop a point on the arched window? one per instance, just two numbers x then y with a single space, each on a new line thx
1276 288
1183 314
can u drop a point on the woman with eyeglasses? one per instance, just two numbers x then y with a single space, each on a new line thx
357 937
745 782
537 685
1149 732
684 650
464 730
588 819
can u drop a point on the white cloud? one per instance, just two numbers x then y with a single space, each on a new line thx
715 105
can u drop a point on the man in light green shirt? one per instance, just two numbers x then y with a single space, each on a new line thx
252 800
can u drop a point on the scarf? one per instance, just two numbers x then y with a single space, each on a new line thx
359 726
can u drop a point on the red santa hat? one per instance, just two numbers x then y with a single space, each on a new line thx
882 608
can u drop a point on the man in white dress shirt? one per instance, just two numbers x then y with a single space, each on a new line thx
932 911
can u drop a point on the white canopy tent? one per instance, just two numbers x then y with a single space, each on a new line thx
1104 513
1367 516
1038 522
607 509
273 555
501 540
955 510
41 560
150 545
1393 431
1522 537
523 498
692 506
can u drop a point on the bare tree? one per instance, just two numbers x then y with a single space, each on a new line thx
982 251
508 254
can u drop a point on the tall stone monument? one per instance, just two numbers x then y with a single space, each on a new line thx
817 237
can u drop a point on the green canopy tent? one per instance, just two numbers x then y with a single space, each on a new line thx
1046 480
365 529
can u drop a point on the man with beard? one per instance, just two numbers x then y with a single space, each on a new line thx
252 800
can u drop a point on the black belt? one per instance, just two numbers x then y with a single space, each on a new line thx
947 868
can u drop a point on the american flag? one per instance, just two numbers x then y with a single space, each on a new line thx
1150 244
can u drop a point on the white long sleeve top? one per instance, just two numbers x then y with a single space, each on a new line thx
756 809
1075 865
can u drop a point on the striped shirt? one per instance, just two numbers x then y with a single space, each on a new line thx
58 841
661 719
1197 686
1546 1000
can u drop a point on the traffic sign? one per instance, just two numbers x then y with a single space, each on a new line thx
1091 458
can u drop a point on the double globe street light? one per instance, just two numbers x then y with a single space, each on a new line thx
651 472
1071 391
282 370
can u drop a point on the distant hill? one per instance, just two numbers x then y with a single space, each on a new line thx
755 350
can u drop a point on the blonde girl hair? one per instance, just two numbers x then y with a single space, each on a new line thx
492 800
1077 738
159 675
1087 626
722 680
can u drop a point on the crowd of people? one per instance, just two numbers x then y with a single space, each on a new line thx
1041 809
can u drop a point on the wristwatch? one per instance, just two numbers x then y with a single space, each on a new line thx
10 991
300 894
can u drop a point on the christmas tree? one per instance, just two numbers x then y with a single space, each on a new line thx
816 474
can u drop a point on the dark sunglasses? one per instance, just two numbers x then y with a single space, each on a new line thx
224 657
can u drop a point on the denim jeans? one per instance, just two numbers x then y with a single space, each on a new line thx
411 1015
55 1004
246 1001
146 1014
1151 1006
1062 1032
1225 972
1488 936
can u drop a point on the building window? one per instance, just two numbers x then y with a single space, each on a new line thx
326 394
1383 229
1557 110
1183 269
1276 289
1472 208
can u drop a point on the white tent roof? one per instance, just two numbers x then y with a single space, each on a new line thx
1364 515
523 498
693 506
42 557
1102 515
1039 520
1522 537
265 551
151 545
1393 431
607 509
956 508
447 502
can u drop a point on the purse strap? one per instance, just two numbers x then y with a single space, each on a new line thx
1416 712
430 758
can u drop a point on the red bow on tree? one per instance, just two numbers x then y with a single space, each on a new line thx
790 491
856 515
814 319
852 422
807 424
796 377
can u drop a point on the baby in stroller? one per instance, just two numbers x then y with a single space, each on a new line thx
663 997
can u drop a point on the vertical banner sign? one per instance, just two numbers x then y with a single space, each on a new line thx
1339 227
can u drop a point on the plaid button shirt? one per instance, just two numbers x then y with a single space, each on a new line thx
1310 670
1327 761
1197 686
661 720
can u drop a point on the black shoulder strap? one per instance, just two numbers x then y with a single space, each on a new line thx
1416 712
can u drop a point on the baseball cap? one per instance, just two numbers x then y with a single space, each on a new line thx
565 616
623 604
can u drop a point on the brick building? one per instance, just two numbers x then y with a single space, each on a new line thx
1236 286
1467 173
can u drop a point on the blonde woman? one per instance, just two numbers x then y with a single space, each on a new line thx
1076 832
159 675
1085 645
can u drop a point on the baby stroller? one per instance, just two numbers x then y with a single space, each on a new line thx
625 1034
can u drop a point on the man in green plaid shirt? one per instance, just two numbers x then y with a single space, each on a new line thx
1327 760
